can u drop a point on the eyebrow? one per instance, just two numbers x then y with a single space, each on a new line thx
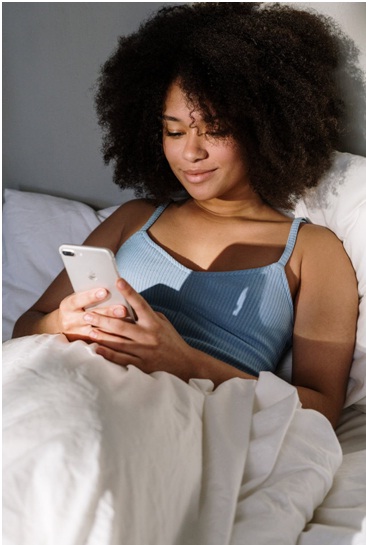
170 118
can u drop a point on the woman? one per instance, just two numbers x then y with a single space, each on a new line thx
236 104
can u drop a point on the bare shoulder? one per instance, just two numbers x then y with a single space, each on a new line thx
134 211
326 269
121 224
136 206
311 231
316 240
132 215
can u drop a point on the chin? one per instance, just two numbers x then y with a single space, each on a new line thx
201 193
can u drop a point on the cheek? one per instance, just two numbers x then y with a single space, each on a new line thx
225 156
230 155
224 151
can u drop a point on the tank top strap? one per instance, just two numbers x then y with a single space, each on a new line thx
154 217
291 240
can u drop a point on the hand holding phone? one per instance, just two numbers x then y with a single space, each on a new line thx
91 267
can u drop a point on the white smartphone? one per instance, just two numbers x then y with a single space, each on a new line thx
91 267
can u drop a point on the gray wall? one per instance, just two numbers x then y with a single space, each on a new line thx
52 53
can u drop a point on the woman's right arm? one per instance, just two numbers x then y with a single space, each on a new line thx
43 317
59 310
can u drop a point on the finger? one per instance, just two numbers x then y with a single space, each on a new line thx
105 323
137 302
113 342
119 358
82 299
71 311
114 311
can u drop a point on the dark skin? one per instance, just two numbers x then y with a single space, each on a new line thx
223 226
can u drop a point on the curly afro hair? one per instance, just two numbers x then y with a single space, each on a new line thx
267 73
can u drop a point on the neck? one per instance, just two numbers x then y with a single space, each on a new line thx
247 208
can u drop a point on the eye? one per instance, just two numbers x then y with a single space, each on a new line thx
173 134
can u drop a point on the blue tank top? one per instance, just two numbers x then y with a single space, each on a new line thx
244 317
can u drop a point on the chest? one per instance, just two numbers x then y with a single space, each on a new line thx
206 246
235 316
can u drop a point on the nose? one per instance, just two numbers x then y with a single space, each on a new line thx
195 147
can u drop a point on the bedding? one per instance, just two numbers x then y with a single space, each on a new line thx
96 453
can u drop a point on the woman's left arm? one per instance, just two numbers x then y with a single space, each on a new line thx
326 311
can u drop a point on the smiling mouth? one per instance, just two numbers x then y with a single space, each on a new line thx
196 176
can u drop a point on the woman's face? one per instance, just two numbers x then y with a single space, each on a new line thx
207 166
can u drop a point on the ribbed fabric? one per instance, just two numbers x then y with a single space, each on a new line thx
244 318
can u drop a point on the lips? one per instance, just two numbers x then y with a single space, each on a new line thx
197 176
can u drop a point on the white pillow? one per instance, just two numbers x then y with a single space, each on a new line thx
339 203
34 226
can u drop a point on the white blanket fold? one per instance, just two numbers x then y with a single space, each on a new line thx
96 453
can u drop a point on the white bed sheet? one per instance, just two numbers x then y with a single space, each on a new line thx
95 453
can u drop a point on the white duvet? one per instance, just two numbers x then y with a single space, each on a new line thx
96 454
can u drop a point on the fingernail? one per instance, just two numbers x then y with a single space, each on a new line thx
119 312
93 334
122 283
88 318
101 294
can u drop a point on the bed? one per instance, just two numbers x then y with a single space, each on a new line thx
94 453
